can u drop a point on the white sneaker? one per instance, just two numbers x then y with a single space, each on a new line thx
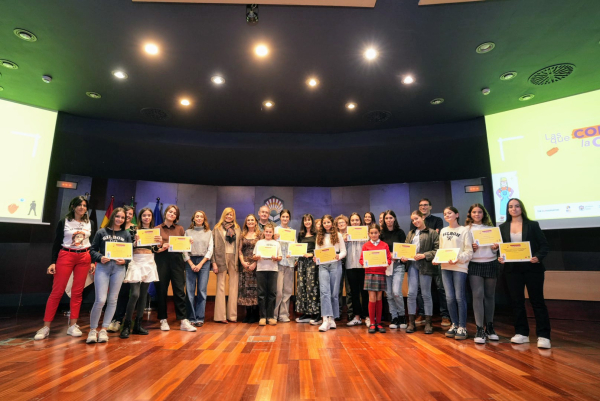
74 331
42 333
519 339
185 326
284 319
113 327
92 337
103 336
354 322
317 321
332 323
164 326
543 343
325 326
367 321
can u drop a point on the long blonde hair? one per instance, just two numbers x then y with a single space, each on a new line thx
225 213
257 231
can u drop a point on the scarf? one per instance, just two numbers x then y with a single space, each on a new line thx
229 231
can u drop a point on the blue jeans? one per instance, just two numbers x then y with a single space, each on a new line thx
394 290
329 282
416 281
439 283
456 296
196 304
107 279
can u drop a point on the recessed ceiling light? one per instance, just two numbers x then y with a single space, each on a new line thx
185 102
46 79
261 50
1 89
485 47
93 95
151 48
371 53
25 34
351 106
436 101
120 74
526 97
507 76
268 104
312 82
408 79
486 91
217 80
9 64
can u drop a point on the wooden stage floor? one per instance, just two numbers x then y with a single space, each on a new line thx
218 362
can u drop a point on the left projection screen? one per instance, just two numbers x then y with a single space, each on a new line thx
26 135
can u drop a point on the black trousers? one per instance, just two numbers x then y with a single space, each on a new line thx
171 269
360 297
139 292
266 282
518 277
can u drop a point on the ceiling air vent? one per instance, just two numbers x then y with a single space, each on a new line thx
155 114
377 116
552 74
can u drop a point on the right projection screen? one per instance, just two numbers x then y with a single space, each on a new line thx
548 155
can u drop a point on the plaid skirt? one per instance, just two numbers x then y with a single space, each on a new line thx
485 270
375 282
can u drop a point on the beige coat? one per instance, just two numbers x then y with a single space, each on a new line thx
218 256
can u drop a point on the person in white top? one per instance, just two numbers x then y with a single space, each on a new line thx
266 275
330 273
285 278
454 273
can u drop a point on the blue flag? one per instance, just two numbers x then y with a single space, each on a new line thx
157 221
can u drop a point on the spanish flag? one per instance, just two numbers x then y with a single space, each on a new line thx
109 211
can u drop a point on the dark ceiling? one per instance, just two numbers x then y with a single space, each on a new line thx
81 41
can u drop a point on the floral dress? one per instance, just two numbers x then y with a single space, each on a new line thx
308 299
248 292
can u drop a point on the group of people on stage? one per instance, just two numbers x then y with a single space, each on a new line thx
264 285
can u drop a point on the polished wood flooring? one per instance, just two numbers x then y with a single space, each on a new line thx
218 362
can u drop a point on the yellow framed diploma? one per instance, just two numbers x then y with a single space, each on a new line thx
286 234
402 250
446 255
267 251
375 258
325 255
358 233
146 237
297 250
180 244
119 250
516 251
487 236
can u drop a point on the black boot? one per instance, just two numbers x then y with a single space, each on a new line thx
137 327
248 316
125 328
255 314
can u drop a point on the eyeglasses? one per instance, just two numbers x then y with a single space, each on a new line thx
424 204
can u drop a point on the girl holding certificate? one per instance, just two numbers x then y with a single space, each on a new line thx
421 270
454 273
266 274
390 233
109 274
197 267
330 273
342 222
356 275
70 255
171 269
483 273
285 279
248 287
375 278
307 291
518 228
140 273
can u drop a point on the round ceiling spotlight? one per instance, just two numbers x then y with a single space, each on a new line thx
9 64
351 106
25 35
261 50
486 91
436 101
185 102
1 89
269 104
120 74
312 82
507 76
371 53
408 79
485 47
93 95
526 97
46 79
151 48
217 80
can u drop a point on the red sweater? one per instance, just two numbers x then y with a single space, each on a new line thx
370 247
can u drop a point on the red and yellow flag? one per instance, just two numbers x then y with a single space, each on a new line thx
109 211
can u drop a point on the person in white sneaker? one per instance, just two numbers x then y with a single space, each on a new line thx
285 276
356 273
520 275
307 286
267 253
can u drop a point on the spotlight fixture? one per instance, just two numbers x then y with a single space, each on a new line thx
371 53
151 48
1 89
485 47
526 97
408 79
252 14
486 91
93 95
351 106
268 104
261 50
312 82
25 35
9 64
217 80
120 74
47 79
185 102
507 76
436 101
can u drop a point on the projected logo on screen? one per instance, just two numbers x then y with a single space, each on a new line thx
275 206
588 132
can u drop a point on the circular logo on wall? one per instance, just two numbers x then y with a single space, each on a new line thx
275 206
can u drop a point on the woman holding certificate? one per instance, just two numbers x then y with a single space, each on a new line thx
70 255
420 269
110 271
307 291
285 279
329 250
248 287
455 269
267 253
226 238
518 229
356 273
390 233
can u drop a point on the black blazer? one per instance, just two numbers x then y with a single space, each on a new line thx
537 240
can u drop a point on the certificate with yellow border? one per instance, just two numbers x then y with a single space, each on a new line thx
358 233
446 255
267 251
146 237
375 258
286 234
402 250
487 236
516 251
180 244
325 255
119 250
297 250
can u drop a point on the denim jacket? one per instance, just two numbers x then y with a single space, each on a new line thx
428 246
